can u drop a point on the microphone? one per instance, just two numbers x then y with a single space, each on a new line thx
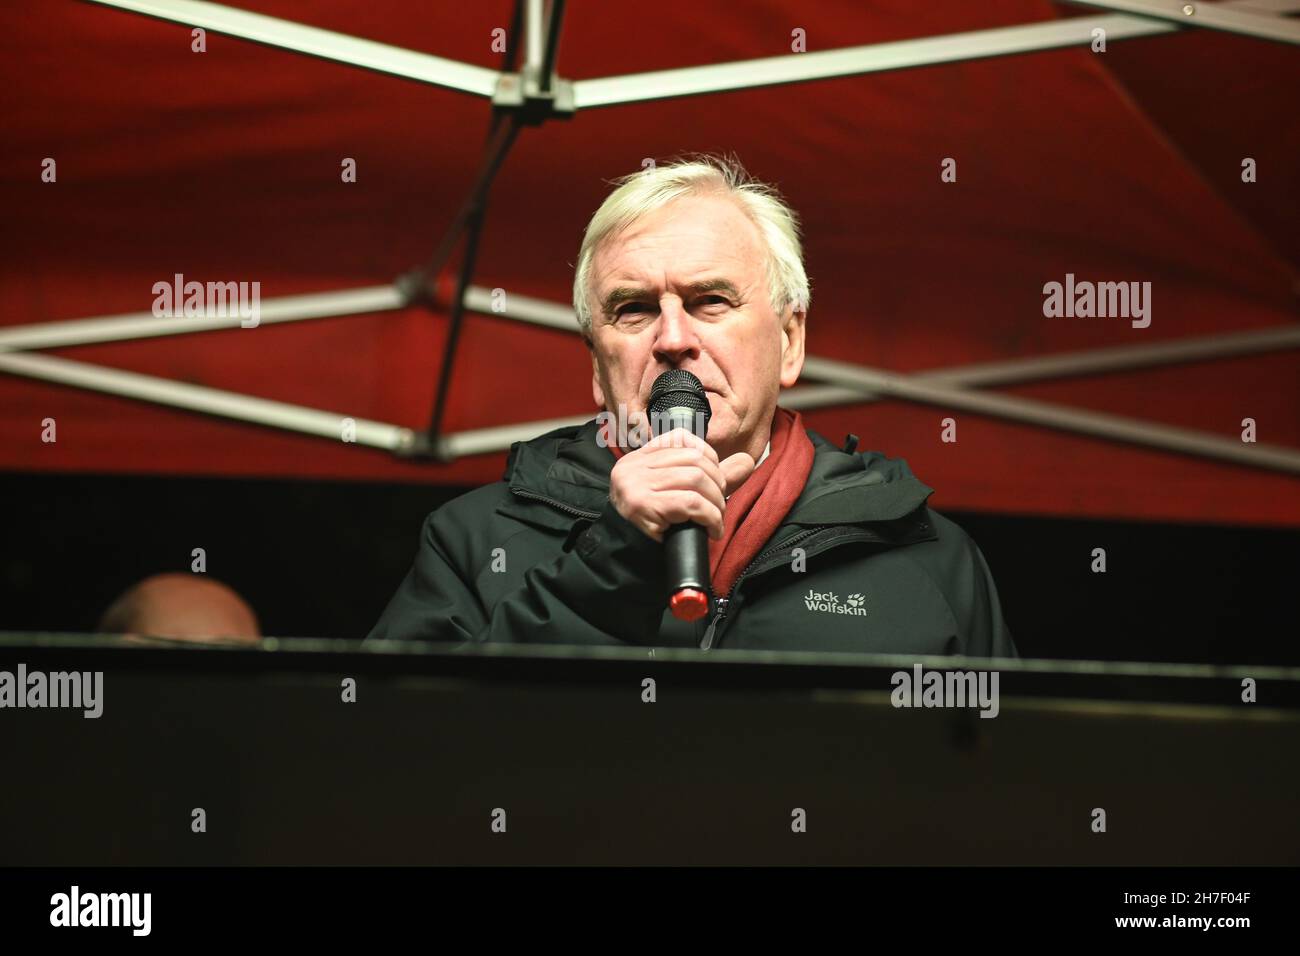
678 400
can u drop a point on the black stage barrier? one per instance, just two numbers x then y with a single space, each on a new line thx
552 755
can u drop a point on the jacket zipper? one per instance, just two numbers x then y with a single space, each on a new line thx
707 641
568 509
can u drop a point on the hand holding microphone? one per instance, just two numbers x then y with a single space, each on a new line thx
672 479
674 487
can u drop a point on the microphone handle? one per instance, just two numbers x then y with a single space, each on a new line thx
686 545
686 557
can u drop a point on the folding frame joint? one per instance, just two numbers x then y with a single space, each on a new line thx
521 93
423 446
413 287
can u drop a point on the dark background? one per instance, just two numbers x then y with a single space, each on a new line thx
322 559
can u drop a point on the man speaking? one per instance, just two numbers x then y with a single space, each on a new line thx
630 530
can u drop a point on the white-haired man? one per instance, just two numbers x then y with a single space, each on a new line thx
696 266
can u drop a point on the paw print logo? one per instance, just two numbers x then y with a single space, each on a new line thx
857 600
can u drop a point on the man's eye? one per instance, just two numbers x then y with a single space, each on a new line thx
629 308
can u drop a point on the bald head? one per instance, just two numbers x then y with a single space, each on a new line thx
185 606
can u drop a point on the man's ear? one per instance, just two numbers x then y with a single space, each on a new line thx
792 345
597 393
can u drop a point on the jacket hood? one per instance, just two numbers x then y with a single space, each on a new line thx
567 468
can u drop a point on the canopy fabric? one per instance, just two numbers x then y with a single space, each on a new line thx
225 165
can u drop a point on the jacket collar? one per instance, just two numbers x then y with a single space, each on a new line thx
567 469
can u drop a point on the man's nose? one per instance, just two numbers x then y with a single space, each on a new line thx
677 339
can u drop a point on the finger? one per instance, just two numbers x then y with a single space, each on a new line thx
691 506
670 458
736 469
686 478
680 438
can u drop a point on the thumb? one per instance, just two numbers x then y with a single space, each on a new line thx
736 469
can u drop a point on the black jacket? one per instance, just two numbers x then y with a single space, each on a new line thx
859 564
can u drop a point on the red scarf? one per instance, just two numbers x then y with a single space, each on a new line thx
755 511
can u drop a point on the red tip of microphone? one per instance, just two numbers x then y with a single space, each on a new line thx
688 604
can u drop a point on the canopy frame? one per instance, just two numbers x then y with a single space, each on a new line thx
533 94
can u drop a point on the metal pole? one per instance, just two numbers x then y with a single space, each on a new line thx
511 55
141 325
554 18
1099 424
1213 16
500 140
453 328
535 41
881 57
326 44
209 401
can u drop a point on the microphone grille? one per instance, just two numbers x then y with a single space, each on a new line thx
676 388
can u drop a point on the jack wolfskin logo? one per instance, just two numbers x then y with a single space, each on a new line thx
829 603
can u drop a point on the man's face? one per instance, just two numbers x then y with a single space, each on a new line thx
685 287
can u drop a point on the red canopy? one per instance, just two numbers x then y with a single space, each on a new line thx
225 165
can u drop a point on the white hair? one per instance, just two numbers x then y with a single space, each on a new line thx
656 186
